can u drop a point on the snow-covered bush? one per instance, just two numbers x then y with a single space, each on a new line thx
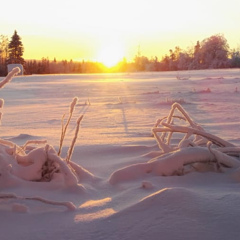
29 166
197 150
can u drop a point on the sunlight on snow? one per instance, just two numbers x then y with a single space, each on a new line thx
95 215
102 213
95 203
156 193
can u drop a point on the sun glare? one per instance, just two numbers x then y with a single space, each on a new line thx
111 54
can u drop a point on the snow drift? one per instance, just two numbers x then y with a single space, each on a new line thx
121 180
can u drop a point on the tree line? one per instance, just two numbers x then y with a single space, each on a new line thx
210 53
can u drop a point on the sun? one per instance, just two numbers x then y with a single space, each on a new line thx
111 54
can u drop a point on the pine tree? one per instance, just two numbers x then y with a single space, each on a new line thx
15 50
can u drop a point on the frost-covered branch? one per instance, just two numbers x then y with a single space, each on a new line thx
68 205
33 142
183 129
174 163
166 127
9 77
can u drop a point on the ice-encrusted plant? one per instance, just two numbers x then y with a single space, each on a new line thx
194 134
64 127
27 165
196 150
70 151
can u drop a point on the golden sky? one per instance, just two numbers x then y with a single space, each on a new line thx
108 30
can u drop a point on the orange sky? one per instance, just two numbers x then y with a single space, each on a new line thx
92 29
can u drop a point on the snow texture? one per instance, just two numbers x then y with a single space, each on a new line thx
126 166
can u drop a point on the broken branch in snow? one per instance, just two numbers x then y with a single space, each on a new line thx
68 205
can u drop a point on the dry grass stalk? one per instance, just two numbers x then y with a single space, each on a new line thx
70 150
64 127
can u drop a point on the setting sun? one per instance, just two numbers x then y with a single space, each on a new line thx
111 54
85 29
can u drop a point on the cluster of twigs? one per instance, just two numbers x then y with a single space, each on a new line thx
195 135
197 150
223 153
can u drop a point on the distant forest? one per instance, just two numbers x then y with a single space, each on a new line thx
210 53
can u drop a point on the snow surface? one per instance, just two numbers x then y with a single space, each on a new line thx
119 112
